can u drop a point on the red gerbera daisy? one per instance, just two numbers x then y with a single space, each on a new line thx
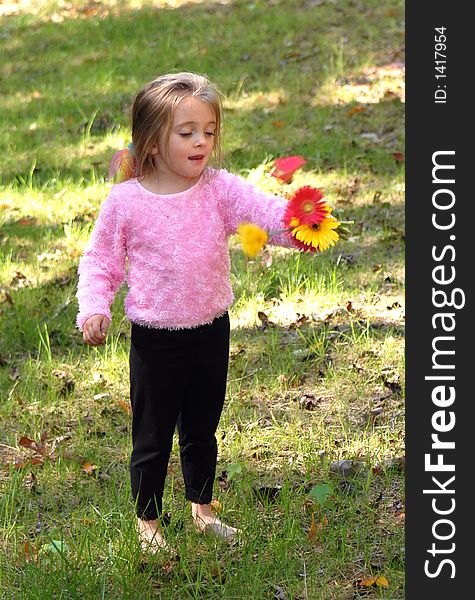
286 166
307 206
306 247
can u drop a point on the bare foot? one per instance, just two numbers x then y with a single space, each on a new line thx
151 539
206 521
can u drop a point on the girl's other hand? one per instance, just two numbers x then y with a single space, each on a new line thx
94 330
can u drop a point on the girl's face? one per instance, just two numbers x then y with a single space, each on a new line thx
190 143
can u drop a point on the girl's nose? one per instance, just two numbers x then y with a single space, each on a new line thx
200 139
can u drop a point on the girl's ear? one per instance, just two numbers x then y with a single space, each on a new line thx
154 150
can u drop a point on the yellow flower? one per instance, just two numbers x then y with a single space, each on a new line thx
252 238
319 235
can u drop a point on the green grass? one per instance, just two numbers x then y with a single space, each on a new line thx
303 392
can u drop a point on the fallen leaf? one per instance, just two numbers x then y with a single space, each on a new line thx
379 581
30 553
399 156
382 581
316 528
354 110
346 468
278 123
312 534
391 380
26 442
34 460
216 506
88 468
309 402
125 406
167 567
393 305
301 320
369 582
264 319
27 221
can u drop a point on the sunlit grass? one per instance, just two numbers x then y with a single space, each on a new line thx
317 354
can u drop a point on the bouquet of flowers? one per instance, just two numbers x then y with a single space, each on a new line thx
308 220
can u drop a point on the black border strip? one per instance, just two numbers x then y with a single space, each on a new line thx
439 350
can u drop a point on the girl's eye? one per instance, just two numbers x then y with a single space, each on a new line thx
191 133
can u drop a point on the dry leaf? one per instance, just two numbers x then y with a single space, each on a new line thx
278 123
216 506
26 442
88 468
316 528
30 554
369 582
354 110
124 406
264 319
379 581
27 221
34 460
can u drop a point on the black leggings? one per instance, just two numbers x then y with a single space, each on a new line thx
177 378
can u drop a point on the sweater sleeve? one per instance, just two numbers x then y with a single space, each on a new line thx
244 202
102 266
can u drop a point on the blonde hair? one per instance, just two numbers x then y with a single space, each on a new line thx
154 108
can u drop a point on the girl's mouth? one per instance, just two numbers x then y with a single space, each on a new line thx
196 157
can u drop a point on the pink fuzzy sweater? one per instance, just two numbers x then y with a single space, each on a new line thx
176 247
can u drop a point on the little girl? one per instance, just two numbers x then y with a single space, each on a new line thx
172 221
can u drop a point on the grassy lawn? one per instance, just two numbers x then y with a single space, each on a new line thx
317 354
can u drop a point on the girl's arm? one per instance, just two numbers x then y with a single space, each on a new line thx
102 266
245 202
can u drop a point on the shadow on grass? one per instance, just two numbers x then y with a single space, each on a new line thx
69 70
344 147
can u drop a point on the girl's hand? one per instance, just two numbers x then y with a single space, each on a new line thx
94 330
